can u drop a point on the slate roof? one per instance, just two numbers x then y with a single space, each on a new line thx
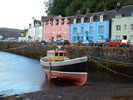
126 11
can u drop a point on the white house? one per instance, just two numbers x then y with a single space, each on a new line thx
34 31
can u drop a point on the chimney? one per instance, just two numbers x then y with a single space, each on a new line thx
118 7
88 11
78 13
105 10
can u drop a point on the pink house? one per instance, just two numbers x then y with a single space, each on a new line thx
56 28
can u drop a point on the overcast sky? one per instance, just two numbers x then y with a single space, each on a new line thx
18 13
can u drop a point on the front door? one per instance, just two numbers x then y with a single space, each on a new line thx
125 37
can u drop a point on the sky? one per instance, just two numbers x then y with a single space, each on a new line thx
18 13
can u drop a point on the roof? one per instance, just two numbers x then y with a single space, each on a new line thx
58 51
126 11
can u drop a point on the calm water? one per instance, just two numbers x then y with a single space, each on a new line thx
20 74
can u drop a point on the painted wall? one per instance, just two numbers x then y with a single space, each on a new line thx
90 31
53 32
125 23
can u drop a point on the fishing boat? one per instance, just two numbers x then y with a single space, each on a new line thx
57 65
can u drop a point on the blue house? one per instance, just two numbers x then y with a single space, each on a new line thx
92 26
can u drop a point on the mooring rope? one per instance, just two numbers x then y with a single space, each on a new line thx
113 70
113 61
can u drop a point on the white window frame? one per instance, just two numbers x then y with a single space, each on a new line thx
65 30
54 31
65 38
125 27
74 21
59 31
101 18
131 37
118 27
59 22
91 29
82 20
91 19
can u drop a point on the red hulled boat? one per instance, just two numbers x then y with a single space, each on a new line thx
57 65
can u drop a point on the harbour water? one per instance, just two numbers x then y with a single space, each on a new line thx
20 75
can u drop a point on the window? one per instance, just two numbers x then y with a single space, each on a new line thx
132 27
82 20
54 30
56 54
82 38
100 29
61 54
74 38
118 16
64 54
87 38
78 38
65 38
65 30
82 30
118 27
91 19
59 31
125 27
101 18
131 37
91 29
74 21
91 38
74 30
118 37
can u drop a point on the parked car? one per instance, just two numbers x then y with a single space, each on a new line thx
101 42
58 42
116 42
77 43
44 42
88 43
64 42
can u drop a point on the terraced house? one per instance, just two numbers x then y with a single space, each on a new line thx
91 26
122 24
56 28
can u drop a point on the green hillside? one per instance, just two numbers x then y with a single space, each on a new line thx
70 7
8 32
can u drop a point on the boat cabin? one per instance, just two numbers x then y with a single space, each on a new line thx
56 55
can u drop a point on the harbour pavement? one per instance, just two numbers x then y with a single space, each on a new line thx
90 91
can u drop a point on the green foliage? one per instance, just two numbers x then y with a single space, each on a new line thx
70 7
25 31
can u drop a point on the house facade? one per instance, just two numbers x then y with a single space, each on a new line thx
122 24
56 28
93 27
34 31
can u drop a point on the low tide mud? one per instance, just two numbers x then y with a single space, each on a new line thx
90 91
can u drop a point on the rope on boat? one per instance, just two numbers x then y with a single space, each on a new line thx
49 68
114 71
113 61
